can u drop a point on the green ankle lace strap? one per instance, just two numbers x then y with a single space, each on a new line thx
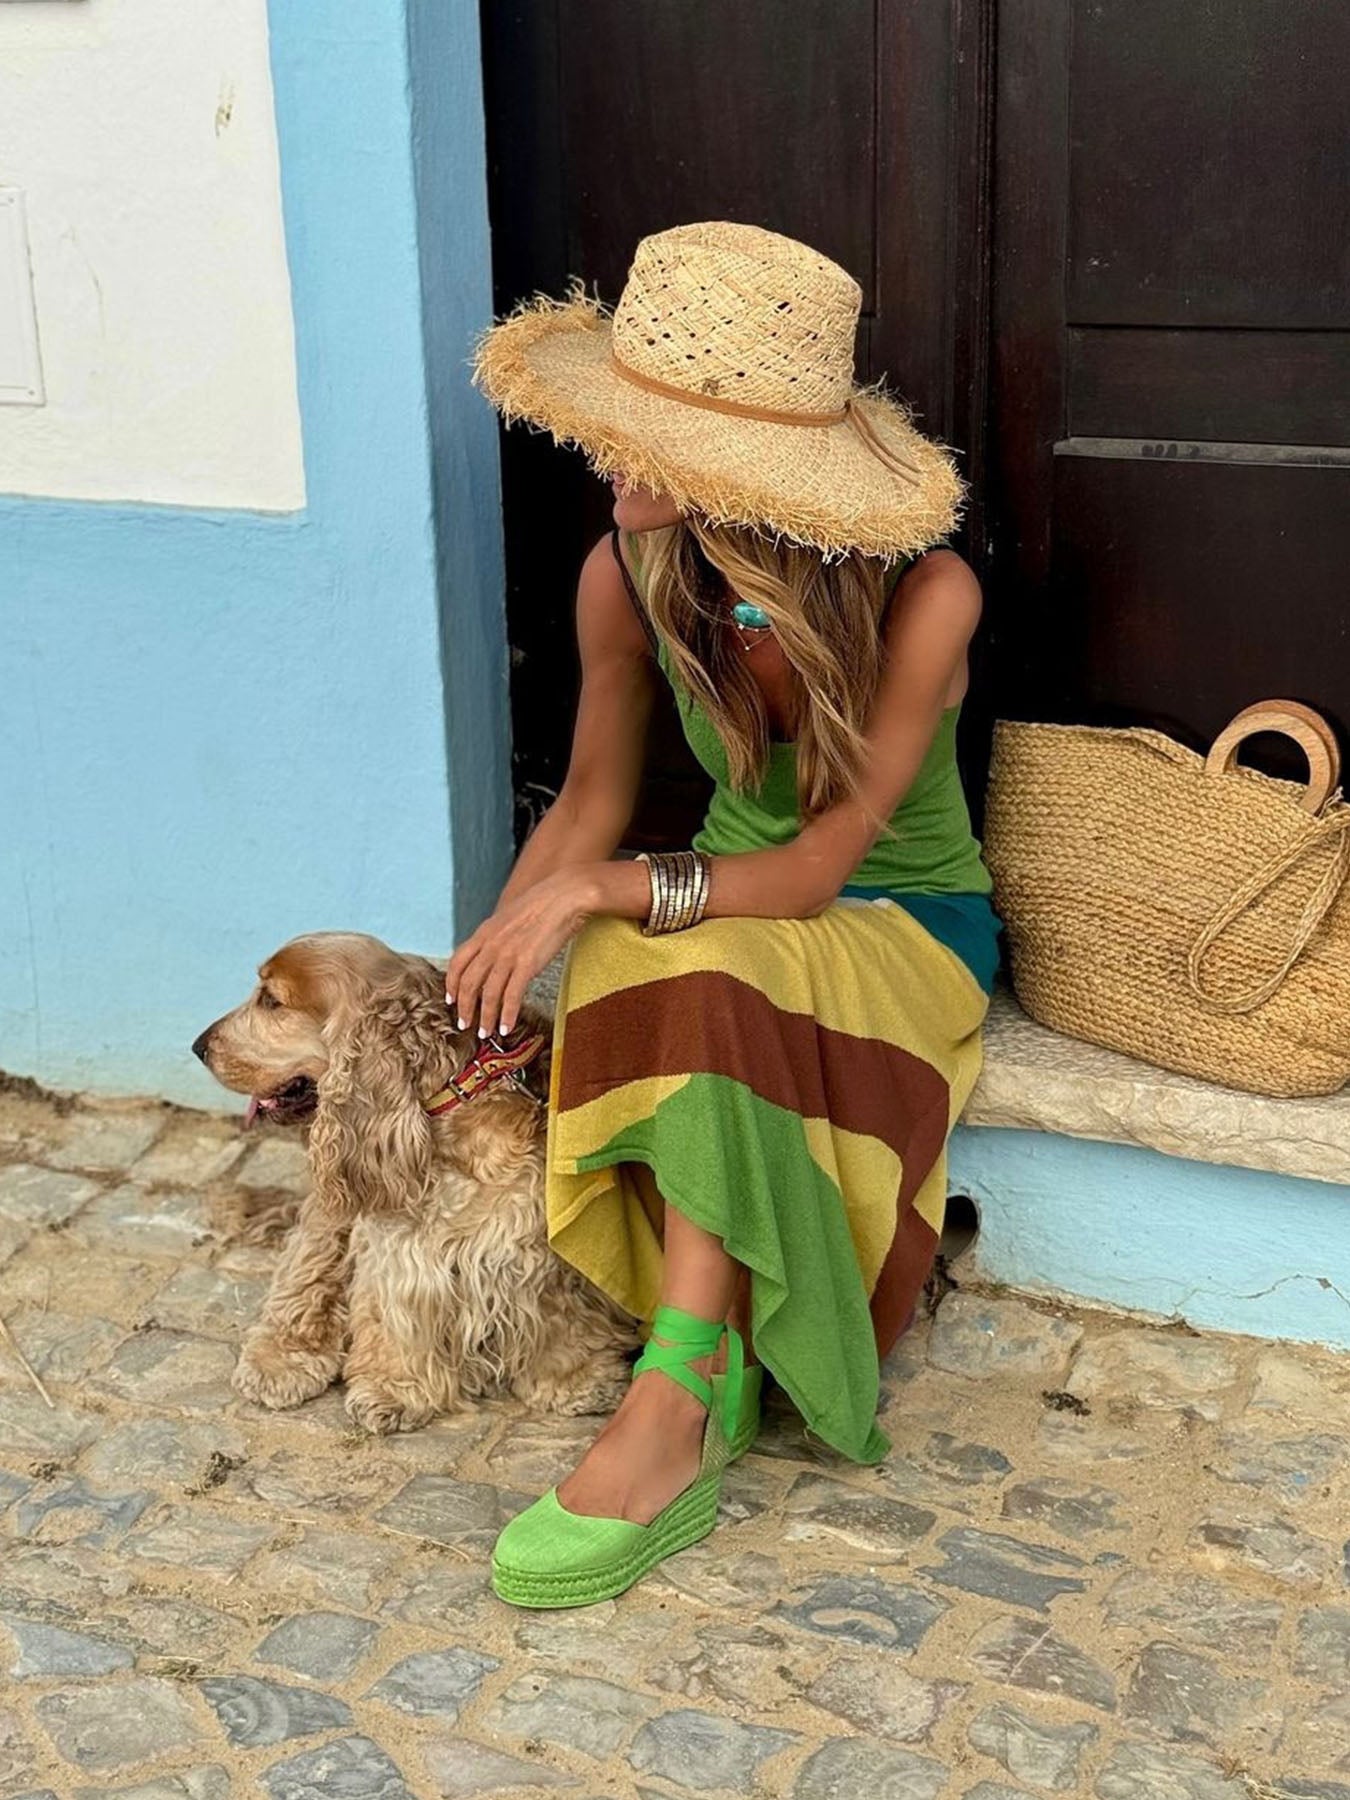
687 1340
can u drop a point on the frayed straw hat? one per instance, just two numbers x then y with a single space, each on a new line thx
725 379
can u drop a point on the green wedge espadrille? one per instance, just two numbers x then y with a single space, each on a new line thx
549 1557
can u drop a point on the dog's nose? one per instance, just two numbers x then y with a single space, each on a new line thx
201 1044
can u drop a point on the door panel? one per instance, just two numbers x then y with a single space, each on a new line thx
1207 164
1174 610
763 111
1268 387
1170 402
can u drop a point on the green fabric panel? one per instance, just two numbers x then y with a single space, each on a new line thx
741 1167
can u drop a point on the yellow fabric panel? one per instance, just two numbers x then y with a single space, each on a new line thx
818 966
603 1223
860 1164
582 1129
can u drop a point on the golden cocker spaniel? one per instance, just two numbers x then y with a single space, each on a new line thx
419 1266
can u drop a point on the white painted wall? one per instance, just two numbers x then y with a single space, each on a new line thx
143 135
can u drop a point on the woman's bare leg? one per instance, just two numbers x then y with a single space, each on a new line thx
650 1450
699 1277
739 1317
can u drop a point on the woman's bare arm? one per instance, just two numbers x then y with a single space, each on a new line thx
586 823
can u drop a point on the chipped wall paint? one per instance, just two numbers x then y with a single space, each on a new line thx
142 134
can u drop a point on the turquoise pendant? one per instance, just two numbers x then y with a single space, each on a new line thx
751 617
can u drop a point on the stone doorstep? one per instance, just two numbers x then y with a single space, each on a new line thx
1035 1079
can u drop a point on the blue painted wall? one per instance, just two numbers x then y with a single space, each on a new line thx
455 261
218 730
1229 1249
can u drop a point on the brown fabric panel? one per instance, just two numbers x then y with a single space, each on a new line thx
712 1023
908 1263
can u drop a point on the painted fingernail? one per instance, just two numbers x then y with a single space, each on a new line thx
463 1024
482 1031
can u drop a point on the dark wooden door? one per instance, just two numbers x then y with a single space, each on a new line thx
856 125
1169 478
1151 395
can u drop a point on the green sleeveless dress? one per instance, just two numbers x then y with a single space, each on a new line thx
786 1084
929 861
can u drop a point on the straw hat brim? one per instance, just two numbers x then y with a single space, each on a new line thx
819 485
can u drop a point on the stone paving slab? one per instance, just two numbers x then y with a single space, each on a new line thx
1105 1557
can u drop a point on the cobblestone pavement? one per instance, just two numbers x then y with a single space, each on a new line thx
1103 1559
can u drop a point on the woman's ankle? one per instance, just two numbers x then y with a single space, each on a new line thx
653 1392
721 1359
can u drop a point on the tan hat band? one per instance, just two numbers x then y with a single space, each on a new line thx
737 408
849 413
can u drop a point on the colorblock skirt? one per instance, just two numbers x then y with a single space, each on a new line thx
789 1085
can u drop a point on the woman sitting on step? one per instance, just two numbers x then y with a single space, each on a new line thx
762 1042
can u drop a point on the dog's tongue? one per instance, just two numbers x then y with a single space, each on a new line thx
259 1103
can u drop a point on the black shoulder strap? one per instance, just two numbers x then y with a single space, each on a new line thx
633 594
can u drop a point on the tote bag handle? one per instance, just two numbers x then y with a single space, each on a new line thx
1309 731
1315 738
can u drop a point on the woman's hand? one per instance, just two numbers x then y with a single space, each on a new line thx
489 972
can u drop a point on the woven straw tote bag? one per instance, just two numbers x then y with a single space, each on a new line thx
1176 907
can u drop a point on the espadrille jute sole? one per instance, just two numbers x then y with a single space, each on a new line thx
688 1519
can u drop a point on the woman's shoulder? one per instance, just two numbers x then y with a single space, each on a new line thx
942 571
939 556
933 616
939 573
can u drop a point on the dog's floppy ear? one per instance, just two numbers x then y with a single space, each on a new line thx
539 1073
370 1145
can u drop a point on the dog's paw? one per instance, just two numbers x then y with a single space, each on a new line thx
380 1412
582 1396
596 1397
273 1373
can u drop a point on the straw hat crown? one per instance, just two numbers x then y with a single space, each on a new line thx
724 379
741 314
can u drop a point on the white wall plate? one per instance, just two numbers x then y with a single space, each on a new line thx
20 364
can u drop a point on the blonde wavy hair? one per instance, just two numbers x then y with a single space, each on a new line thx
826 617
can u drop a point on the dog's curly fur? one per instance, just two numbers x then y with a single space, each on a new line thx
419 1266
